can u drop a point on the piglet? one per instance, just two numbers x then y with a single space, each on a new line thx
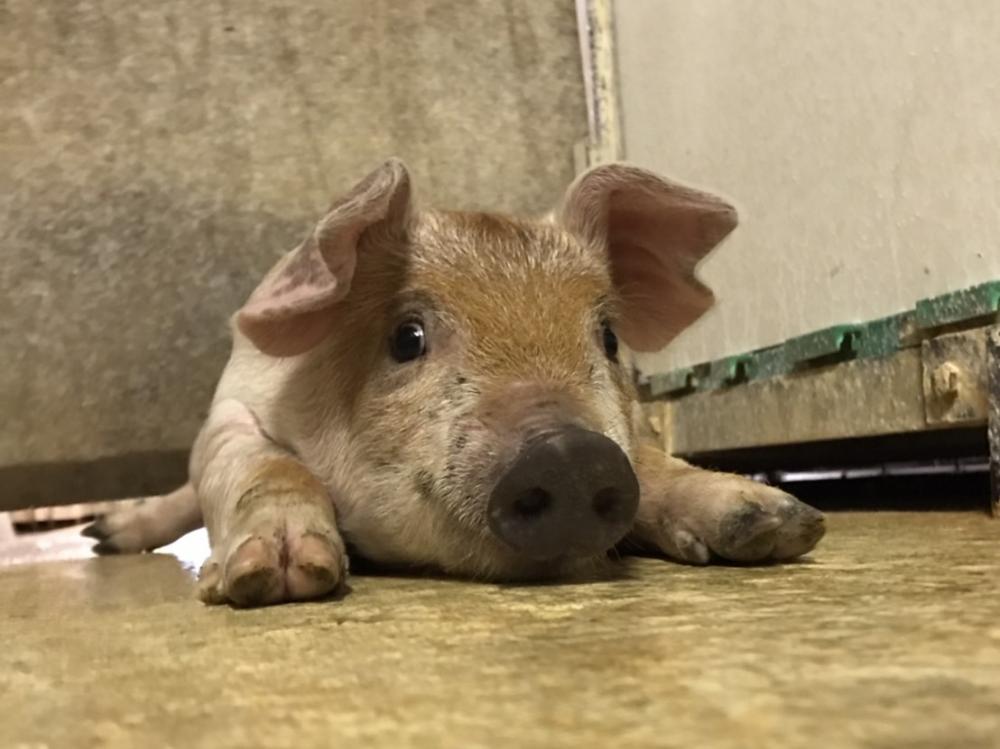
453 391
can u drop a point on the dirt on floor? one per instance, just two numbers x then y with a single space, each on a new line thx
889 635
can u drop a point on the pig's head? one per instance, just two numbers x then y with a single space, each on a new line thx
464 383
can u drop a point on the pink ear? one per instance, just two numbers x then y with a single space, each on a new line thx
655 231
289 312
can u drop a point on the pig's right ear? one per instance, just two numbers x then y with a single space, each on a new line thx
655 231
289 312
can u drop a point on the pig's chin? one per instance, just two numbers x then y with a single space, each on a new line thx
477 553
560 569
499 563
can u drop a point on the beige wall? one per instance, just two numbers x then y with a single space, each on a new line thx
860 139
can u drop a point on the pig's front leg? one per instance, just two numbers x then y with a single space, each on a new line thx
270 521
698 516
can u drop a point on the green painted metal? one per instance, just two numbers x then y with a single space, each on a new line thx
674 382
749 367
680 381
979 301
724 372
885 336
830 343
874 339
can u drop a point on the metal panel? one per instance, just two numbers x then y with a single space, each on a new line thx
853 399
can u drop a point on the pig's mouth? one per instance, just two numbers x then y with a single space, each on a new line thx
569 493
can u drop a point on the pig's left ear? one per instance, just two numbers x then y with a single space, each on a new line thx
655 232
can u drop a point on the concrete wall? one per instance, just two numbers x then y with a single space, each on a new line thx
156 157
860 138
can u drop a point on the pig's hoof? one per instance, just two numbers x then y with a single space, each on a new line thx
739 520
268 568
765 524
119 532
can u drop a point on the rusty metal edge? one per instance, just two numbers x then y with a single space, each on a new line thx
850 399
856 398
993 430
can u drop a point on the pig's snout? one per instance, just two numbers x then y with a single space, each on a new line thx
570 492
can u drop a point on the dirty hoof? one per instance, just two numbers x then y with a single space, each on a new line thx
730 518
266 568
765 524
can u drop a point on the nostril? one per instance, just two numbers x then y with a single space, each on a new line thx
532 503
606 503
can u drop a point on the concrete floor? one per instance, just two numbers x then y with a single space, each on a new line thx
889 637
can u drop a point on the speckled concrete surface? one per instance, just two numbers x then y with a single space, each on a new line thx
889 637
156 158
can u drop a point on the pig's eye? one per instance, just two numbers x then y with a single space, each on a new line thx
610 341
408 341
